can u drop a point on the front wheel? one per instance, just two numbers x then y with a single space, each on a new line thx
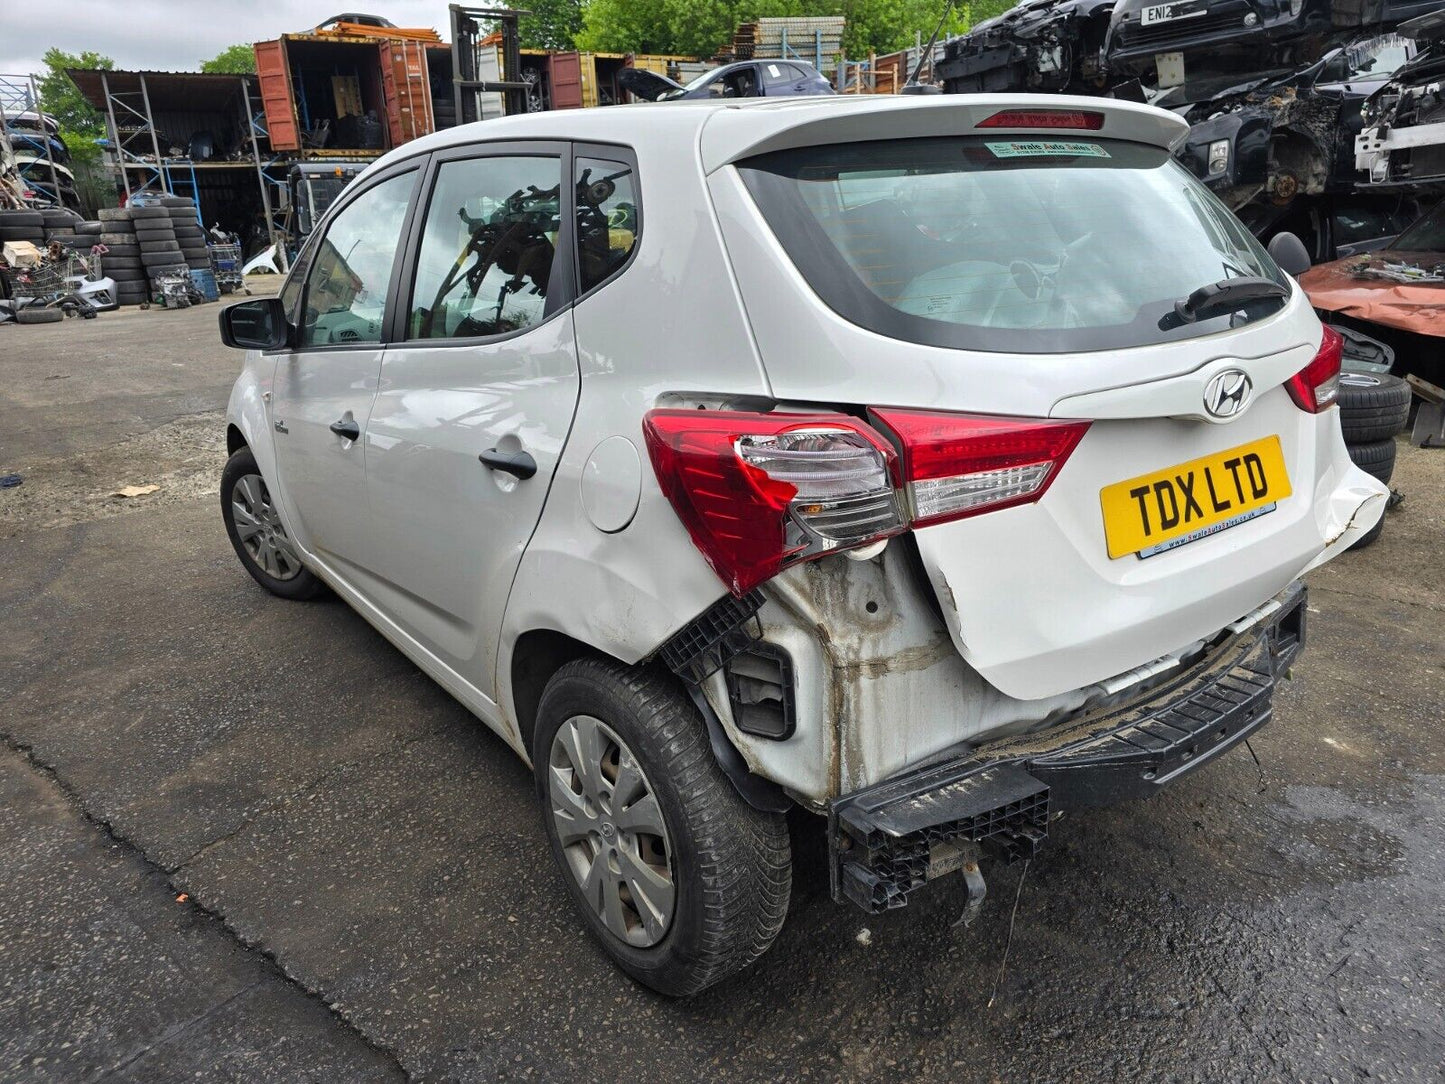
257 533
682 881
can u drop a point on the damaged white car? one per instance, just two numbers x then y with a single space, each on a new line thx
934 465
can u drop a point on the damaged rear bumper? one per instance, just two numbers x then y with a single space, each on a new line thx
997 799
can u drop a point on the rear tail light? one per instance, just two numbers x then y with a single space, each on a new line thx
959 465
760 492
1079 119
1315 387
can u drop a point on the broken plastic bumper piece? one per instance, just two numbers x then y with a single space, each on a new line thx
997 799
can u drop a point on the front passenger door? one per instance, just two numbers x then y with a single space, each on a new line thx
324 388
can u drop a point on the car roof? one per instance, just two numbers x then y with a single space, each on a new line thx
725 130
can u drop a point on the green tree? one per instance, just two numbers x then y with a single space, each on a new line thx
235 60
62 98
705 27
552 24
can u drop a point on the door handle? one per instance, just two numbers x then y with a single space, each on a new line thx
517 463
346 428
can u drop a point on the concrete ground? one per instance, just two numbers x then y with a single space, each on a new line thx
245 838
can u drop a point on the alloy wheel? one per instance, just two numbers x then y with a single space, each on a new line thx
611 829
259 527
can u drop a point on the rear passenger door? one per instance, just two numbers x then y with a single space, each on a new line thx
477 393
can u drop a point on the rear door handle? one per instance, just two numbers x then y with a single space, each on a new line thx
346 428
517 463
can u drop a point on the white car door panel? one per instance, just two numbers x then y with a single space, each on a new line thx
324 388
474 405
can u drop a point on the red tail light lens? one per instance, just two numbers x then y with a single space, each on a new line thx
1315 387
1078 119
759 492
958 465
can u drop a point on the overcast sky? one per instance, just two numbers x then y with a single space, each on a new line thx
176 35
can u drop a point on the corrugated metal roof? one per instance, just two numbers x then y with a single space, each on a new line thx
168 91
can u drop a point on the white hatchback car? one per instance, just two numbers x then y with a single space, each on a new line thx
932 465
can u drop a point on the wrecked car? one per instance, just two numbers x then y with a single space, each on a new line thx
1402 141
1171 44
981 495
1040 45
1279 150
745 79
1396 294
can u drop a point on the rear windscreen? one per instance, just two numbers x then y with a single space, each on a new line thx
1006 244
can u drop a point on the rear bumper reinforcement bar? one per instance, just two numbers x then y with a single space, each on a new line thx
888 839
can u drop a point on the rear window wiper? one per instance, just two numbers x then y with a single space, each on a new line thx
1226 295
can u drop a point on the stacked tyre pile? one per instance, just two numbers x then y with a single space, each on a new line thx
122 260
189 234
155 234
1373 408
23 226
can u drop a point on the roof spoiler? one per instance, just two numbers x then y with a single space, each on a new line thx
731 134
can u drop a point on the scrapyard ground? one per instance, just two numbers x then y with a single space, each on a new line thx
241 837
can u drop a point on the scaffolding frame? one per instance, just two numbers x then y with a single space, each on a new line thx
20 94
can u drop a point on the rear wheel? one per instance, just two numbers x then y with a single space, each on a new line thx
257 533
681 880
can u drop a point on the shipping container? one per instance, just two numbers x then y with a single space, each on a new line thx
356 95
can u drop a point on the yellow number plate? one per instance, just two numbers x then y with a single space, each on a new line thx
1157 512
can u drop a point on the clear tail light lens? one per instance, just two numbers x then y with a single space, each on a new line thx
958 465
759 492
1315 387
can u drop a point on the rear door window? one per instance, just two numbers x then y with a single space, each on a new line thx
1006 244
488 247
608 219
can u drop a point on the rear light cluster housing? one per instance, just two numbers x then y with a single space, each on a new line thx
760 492
1316 387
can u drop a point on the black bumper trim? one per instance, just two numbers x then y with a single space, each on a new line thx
886 839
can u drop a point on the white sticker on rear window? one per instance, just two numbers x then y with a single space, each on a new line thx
1047 149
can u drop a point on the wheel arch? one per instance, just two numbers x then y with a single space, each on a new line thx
235 439
536 655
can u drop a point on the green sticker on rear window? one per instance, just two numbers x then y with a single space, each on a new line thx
1047 149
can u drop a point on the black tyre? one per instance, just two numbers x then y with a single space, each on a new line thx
28 219
156 248
91 229
1372 407
145 233
128 275
33 314
177 201
682 881
34 234
257 533
141 214
113 214
1376 458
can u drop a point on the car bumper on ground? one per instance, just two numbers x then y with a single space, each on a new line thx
998 799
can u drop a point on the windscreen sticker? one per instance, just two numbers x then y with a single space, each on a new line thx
1047 148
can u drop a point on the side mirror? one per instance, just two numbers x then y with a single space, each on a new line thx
259 324
1290 253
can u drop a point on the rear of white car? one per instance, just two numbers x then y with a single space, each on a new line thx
935 465
1074 428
